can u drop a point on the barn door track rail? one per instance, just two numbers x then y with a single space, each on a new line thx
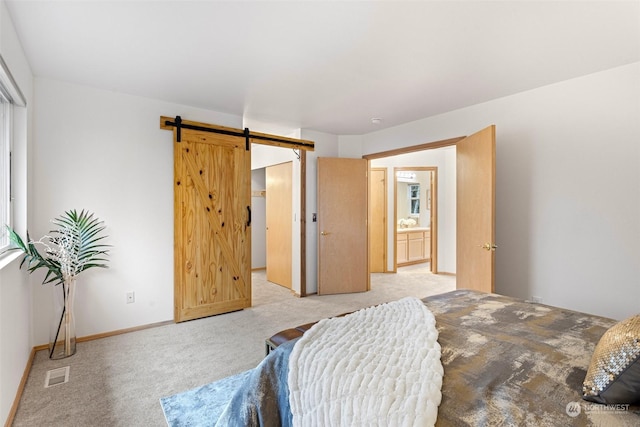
178 124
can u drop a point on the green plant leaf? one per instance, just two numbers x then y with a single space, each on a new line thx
76 245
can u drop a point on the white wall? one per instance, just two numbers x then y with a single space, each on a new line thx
266 155
15 290
104 151
350 146
572 240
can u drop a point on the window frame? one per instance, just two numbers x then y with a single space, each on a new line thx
6 190
414 213
10 97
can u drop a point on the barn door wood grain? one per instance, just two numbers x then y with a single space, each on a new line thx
212 199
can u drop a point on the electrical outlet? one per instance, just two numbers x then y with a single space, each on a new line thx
536 299
131 297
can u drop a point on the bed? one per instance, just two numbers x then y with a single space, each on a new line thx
505 361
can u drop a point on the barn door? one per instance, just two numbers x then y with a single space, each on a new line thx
212 199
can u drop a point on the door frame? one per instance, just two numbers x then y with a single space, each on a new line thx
385 215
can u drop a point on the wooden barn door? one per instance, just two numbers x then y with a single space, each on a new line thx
212 196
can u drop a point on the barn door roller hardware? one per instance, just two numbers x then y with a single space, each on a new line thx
250 137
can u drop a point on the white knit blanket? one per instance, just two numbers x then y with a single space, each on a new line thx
377 366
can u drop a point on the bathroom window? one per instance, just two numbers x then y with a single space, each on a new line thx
414 199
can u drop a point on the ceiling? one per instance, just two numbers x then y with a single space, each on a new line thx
327 66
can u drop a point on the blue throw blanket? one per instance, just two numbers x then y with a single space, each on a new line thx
263 398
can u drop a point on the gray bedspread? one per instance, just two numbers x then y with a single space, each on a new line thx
506 363
512 363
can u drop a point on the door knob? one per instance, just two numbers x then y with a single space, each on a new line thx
325 233
489 247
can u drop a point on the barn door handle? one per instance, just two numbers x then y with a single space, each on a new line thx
248 216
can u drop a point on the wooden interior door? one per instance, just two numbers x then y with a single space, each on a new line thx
279 206
342 225
475 199
212 199
378 220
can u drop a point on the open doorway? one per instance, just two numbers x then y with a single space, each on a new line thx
416 216
439 159
277 188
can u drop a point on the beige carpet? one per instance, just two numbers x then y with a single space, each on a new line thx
118 381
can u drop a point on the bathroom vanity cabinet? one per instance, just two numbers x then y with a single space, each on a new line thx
413 245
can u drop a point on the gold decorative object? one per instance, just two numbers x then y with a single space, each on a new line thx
616 352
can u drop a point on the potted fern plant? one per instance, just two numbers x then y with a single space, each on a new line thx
73 247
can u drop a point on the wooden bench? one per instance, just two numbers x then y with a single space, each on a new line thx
289 334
